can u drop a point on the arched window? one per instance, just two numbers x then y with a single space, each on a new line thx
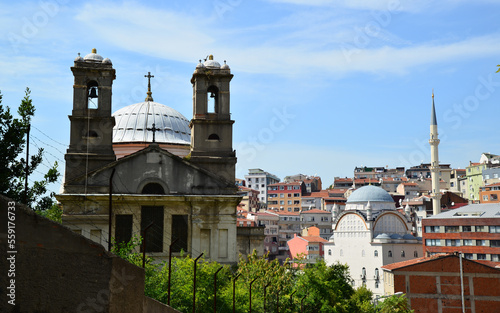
376 284
213 137
415 254
153 189
376 273
92 95
403 253
389 254
375 253
329 251
212 99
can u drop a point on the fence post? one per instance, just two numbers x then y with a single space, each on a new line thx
170 268
250 309
194 284
144 232
302 303
215 289
265 288
234 292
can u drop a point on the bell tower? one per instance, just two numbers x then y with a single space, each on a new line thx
91 121
211 126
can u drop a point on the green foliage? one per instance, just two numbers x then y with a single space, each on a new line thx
394 304
327 288
54 213
13 166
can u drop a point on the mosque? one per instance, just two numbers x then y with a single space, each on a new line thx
369 233
147 171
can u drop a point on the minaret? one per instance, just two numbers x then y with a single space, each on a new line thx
434 142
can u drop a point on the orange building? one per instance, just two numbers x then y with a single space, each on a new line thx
490 193
309 246
285 196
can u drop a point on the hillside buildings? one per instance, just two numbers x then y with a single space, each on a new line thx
259 180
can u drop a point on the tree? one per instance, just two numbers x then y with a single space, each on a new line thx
394 304
13 167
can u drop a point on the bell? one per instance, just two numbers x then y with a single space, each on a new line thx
93 92
212 94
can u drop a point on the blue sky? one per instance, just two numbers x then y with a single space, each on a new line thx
320 86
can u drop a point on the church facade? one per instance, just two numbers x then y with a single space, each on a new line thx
147 171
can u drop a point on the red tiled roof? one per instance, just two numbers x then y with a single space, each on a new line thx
402 264
285 184
492 185
409 184
317 194
315 211
286 213
313 239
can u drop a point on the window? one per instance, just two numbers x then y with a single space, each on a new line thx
153 189
123 228
468 242
469 256
329 251
432 229
494 229
375 253
453 242
282 195
493 197
289 187
403 253
282 202
180 231
495 257
433 242
480 242
494 243
282 188
481 256
154 234
451 229
466 228
485 198
389 254
376 284
296 194
480 228
415 254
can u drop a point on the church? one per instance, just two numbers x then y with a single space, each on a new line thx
147 171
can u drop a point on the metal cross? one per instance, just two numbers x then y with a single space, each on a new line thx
154 129
149 76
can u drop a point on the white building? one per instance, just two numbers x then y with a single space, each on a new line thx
368 234
258 179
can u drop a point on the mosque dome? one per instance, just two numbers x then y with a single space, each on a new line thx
211 63
369 193
134 124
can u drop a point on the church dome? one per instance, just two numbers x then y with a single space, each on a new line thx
93 56
134 124
370 193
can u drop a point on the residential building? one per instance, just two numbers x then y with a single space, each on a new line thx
491 175
312 183
285 196
271 231
490 193
370 233
250 200
409 190
319 218
310 247
378 172
346 183
288 227
259 180
455 176
314 200
435 284
473 229
424 171
390 184
475 180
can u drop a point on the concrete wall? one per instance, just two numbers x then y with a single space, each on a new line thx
57 270
249 239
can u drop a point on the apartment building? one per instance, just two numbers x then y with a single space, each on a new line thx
259 180
473 229
378 172
285 196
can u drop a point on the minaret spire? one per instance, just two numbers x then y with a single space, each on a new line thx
434 142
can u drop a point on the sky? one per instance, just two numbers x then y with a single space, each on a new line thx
319 87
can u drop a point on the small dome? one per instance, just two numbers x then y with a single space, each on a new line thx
93 57
396 236
210 63
133 121
409 237
106 61
200 65
225 66
78 58
370 193
383 236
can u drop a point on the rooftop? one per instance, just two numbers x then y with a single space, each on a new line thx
484 210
